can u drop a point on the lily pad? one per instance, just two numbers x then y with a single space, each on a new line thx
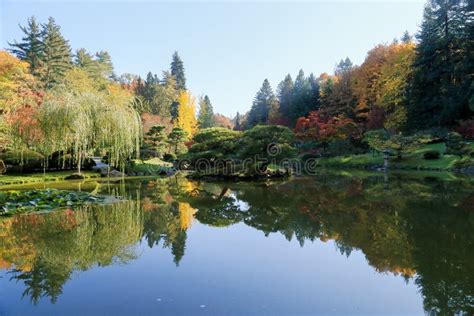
12 202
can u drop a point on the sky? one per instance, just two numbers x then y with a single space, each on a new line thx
228 47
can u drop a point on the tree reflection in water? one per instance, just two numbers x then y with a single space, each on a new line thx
420 228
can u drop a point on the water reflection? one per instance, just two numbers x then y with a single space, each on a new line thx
419 228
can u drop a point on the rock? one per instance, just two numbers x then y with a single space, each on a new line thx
116 174
75 176
112 173
104 171
469 170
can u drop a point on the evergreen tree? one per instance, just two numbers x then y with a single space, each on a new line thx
149 87
177 70
443 67
264 102
237 122
56 54
167 96
206 113
30 49
83 59
106 68
285 96
315 91
99 67
406 38
302 97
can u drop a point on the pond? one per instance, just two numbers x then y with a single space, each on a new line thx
333 244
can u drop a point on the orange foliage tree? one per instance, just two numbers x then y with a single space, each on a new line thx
324 129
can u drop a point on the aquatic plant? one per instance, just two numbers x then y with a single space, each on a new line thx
13 202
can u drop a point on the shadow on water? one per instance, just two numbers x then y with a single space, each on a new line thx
419 228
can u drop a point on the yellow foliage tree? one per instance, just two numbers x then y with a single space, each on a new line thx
186 119
14 80
394 78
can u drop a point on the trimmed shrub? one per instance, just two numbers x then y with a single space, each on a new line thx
22 161
455 145
431 155
169 157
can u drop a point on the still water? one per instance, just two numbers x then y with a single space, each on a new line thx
326 245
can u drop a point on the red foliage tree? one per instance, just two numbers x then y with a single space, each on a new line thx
23 120
324 128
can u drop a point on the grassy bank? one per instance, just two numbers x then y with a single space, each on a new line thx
43 177
154 166
412 161
150 167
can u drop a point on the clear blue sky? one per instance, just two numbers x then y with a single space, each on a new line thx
227 48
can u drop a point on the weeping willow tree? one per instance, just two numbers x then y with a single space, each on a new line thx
87 122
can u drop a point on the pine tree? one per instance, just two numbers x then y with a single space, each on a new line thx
206 113
443 68
106 68
167 96
98 67
302 97
56 54
83 59
264 102
315 91
177 70
149 87
237 122
30 49
285 96
406 38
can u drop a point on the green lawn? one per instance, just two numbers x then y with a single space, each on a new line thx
43 177
414 160
152 166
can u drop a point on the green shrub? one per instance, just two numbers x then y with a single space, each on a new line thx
436 135
17 156
431 155
270 142
343 147
22 161
463 163
455 145
311 155
169 157
214 143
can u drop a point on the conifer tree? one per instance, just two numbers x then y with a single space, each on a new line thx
285 96
56 54
83 59
106 68
406 38
30 49
302 97
237 122
206 113
443 67
264 102
177 70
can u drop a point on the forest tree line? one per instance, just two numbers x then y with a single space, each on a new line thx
409 85
59 103
61 106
